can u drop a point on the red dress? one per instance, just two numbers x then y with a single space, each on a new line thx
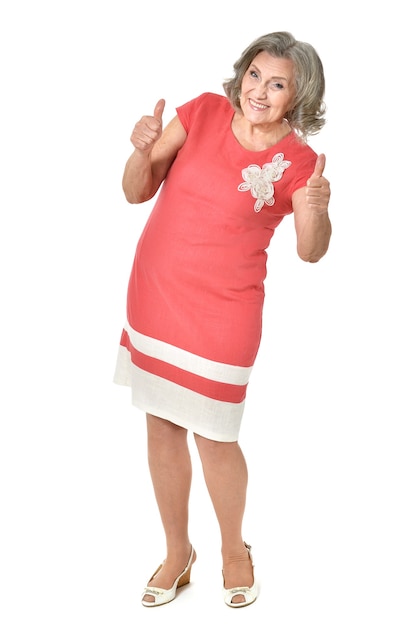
195 295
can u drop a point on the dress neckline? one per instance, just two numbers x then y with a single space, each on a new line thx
272 147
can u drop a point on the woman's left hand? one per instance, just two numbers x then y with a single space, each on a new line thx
318 188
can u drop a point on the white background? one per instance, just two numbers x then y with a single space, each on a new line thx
329 428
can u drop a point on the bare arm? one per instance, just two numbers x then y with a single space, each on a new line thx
155 150
311 218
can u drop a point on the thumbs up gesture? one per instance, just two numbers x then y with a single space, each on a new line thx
148 130
318 187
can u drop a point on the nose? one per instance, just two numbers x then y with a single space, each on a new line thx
260 91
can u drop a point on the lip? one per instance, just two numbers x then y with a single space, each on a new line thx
257 106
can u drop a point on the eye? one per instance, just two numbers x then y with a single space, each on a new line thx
253 74
277 86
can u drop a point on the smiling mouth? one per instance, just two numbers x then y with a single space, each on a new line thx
257 105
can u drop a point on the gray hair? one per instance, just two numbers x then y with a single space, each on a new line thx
306 116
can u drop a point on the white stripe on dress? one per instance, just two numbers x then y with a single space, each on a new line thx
214 370
210 418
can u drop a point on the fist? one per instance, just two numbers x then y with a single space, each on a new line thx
148 130
318 187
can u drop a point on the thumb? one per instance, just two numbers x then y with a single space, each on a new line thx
319 167
159 109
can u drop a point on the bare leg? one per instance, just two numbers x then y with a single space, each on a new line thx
226 476
170 468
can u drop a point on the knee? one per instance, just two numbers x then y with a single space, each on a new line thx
212 448
163 429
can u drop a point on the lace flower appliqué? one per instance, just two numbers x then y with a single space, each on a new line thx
259 181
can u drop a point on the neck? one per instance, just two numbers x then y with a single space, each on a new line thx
258 137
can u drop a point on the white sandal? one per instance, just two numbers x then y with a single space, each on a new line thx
249 593
163 596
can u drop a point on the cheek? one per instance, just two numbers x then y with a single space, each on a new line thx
246 84
284 103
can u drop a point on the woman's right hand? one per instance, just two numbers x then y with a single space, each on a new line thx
151 159
148 130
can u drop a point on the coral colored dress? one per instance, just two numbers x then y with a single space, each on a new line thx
196 293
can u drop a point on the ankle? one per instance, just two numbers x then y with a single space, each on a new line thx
237 555
178 553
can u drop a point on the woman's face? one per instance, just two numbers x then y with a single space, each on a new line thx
268 89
